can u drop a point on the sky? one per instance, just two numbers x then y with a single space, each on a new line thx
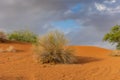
84 22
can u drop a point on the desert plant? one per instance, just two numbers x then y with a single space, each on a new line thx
115 53
113 36
2 37
52 49
23 36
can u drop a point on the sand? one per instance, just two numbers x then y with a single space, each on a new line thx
94 64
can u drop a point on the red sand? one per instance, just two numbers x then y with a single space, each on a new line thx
94 64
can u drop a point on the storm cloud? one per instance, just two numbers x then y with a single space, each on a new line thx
93 18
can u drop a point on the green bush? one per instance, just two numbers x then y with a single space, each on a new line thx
23 36
113 36
52 49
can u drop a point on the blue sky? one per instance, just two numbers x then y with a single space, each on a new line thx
77 8
66 25
84 21
69 24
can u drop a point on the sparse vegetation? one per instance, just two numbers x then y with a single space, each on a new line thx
23 36
115 53
113 36
2 37
9 49
52 49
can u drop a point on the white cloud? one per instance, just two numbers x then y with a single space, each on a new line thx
100 7
105 9
110 1
68 12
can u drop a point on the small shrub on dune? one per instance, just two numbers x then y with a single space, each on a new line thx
52 49
115 53
23 36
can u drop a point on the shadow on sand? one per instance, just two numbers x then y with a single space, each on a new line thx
12 78
14 51
18 51
84 60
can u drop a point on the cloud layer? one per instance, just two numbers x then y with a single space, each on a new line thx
93 18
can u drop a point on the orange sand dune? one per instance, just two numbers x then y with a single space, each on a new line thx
94 64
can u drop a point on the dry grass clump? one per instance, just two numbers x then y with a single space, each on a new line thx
9 49
51 49
115 53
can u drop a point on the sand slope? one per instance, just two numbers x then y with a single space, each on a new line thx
94 64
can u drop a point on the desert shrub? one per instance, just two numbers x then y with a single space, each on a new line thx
23 36
52 49
2 37
115 53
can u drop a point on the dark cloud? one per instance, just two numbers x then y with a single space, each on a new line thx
37 16
16 14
